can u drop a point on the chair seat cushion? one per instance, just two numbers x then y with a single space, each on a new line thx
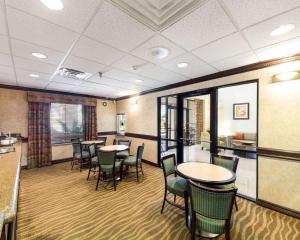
131 161
123 154
177 185
109 168
85 154
210 225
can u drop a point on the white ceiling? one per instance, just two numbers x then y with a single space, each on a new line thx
98 36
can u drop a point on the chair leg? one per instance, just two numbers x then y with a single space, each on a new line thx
236 206
137 172
80 167
89 172
98 179
142 168
163 205
115 187
186 208
227 234
174 198
193 227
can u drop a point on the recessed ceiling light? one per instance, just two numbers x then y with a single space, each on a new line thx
182 64
139 80
53 4
34 75
38 55
159 52
282 30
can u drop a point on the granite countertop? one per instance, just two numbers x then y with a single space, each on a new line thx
9 182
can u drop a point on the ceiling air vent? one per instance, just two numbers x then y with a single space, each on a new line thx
75 74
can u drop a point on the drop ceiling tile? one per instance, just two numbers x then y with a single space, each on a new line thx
5 60
25 80
163 75
226 47
132 64
144 51
131 78
116 28
84 65
24 50
247 12
278 50
195 68
116 83
74 15
35 30
259 35
8 70
60 86
2 21
4 47
202 26
236 61
93 50
35 66
65 80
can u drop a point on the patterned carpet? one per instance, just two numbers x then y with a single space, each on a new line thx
57 203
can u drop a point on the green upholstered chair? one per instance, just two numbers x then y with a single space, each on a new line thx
211 209
108 167
79 155
229 163
93 159
136 161
173 184
124 154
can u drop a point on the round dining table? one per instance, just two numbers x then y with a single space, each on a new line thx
90 142
205 173
117 148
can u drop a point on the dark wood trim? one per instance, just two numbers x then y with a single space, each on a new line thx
150 163
107 133
51 91
61 160
279 153
142 136
278 208
226 73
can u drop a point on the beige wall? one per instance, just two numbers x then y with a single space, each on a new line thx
14 118
279 116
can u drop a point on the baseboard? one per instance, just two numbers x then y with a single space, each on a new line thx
61 160
278 208
149 162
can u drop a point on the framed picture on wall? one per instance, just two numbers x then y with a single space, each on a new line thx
241 111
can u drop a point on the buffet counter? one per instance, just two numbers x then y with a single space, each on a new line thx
9 187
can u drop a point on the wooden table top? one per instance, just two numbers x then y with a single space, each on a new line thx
92 142
117 148
205 173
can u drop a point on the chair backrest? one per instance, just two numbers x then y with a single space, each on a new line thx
77 147
101 138
211 202
92 150
140 151
228 162
75 140
107 158
168 163
124 142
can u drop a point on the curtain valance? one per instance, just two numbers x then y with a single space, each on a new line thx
51 97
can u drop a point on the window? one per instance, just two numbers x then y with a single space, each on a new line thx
66 122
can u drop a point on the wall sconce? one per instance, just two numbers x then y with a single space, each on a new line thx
133 101
287 76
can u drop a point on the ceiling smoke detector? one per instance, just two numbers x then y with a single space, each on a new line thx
75 74
159 52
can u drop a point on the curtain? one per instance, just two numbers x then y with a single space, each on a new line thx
90 123
39 135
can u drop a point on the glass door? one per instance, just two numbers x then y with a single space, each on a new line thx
168 125
196 140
